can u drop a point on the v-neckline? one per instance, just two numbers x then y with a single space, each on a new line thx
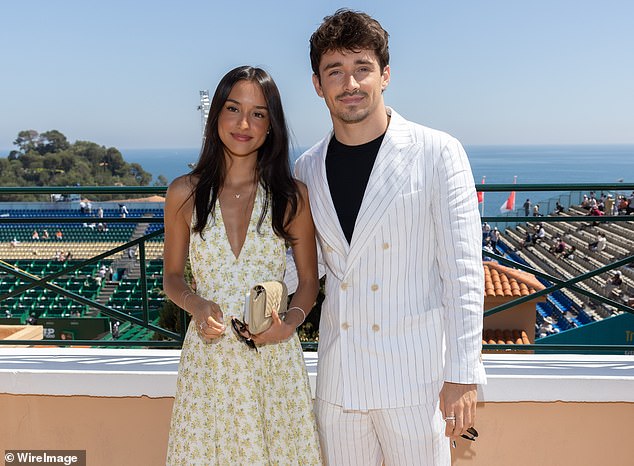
246 235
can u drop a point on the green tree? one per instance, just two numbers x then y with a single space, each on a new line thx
52 142
48 159
161 181
26 140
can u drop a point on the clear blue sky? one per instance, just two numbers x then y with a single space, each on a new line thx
126 73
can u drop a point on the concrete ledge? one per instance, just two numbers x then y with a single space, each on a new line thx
117 404
152 373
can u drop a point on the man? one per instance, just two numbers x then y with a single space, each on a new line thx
527 207
397 222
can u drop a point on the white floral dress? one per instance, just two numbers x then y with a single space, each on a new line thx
233 405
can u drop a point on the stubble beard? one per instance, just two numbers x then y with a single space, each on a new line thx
352 117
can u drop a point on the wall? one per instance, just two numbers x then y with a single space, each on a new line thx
116 404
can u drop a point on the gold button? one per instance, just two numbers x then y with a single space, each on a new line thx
375 328
374 287
344 286
345 326
386 245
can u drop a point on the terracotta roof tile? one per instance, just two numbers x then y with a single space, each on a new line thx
505 337
500 280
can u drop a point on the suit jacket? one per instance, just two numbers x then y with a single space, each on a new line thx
404 300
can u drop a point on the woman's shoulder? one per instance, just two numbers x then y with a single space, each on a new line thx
302 190
182 186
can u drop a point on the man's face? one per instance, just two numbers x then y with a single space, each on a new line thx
351 84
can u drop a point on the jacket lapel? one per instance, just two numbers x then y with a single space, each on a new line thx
323 208
391 170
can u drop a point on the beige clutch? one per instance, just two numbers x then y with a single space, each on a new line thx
265 297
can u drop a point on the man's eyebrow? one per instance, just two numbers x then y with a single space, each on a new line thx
360 61
332 65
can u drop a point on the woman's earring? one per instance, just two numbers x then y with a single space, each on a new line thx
268 131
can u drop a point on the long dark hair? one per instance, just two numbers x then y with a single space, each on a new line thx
273 168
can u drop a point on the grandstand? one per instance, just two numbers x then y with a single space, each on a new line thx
121 288
114 281
565 309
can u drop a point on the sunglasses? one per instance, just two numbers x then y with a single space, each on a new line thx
471 435
241 329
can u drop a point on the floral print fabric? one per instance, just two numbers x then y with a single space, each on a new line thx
233 405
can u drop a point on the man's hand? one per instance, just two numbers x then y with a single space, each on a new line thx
458 401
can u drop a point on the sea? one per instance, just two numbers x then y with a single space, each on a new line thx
499 164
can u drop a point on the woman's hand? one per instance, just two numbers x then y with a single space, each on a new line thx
208 318
278 331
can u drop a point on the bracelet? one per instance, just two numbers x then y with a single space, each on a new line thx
184 295
300 310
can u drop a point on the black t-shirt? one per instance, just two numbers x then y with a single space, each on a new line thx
348 170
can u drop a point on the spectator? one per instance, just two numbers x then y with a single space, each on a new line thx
82 207
540 233
536 211
615 282
527 207
595 211
89 207
123 210
559 208
545 329
609 205
486 230
585 203
59 235
14 242
100 212
560 247
45 234
600 244
101 274
488 248
569 253
625 206
35 235
494 236
527 241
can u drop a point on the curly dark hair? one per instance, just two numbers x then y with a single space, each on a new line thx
349 30
273 166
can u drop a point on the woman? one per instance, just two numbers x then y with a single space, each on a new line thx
234 214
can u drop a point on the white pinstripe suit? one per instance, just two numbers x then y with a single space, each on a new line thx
411 276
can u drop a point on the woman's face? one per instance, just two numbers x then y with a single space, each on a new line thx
244 120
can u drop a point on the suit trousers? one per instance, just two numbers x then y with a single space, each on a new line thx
413 435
